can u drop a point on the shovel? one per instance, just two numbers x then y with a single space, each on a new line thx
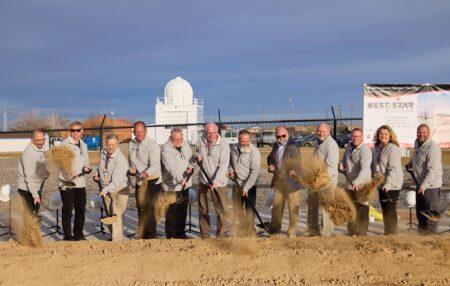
267 226
429 214
358 200
70 183
108 219
180 194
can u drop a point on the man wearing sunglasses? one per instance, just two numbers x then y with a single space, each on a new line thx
286 190
74 197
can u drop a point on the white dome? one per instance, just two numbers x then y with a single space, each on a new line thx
178 91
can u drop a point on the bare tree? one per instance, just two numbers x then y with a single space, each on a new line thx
33 120
27 121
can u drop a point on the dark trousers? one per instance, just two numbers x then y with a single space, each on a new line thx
146 211
244 215
361 225
74 198
388 202
428 201
313 213
176 216
28 200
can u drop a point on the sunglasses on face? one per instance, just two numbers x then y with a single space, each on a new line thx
281 136
75 130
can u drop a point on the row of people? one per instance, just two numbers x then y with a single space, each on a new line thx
173 163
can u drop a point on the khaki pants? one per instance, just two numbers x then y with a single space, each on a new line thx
313 217
117 204
293 201
220 201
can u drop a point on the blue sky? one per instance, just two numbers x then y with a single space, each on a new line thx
244 57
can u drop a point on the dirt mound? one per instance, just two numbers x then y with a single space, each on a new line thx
382 260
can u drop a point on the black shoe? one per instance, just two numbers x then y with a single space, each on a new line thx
79 238
68 238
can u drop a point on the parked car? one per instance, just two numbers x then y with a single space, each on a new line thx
231 137
343 139
309 140
265 138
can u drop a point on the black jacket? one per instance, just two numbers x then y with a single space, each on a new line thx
291 152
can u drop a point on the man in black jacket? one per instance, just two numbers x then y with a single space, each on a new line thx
285 188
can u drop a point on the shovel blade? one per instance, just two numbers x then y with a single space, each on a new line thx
67 183
109 219
431 215
267 226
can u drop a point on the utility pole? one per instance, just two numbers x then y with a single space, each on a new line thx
5 119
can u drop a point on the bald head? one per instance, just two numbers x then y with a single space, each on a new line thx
282 135
38 139
323 131
423 133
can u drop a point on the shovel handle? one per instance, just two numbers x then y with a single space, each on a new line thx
200 164
247 201
412 175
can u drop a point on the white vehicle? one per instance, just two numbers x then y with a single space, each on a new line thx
231 137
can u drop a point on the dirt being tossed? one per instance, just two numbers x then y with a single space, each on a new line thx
339 206
24 223
340 260
62 156
312 173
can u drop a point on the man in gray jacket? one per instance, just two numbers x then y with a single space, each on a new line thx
115 183
145 161
356 166
177 164
32 171
74 197
245 163
427 168
213 152
327 151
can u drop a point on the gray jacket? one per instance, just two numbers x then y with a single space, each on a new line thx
114 178
246 165
389 163
145 157
32 170
174 163
216 160
427 164
81 160
328 151
357 161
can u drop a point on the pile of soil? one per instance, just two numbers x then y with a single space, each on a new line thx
399 260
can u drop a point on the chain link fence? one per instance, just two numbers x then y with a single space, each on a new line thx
302 132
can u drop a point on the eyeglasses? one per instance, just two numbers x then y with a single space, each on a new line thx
75 130
281 136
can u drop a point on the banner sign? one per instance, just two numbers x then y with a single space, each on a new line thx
405 106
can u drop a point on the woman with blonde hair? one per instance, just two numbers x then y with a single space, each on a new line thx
386 159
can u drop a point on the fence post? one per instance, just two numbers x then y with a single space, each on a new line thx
101 133
334 123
